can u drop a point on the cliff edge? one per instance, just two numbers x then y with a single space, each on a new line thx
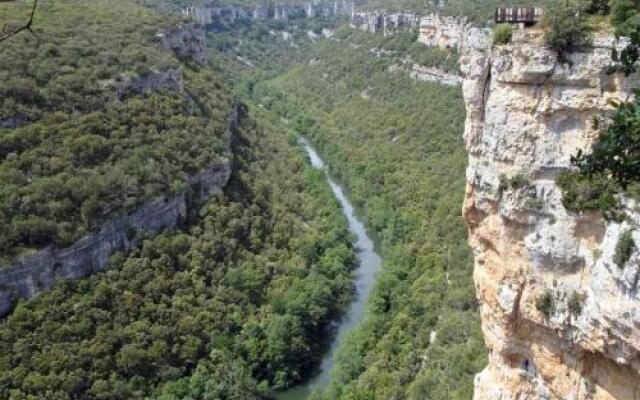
527 114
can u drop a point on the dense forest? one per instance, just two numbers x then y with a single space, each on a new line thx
233 306
240 302
71 153
388 138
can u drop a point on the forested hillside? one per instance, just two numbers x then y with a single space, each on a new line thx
397 145
241 300
78 142
232 306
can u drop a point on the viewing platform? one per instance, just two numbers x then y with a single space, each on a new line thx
525 16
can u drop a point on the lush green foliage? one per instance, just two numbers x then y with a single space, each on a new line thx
242 300
389 147
400 46
610 169
597 193
566 25
502 34
624 248
624 16
77 155
599 7
616 154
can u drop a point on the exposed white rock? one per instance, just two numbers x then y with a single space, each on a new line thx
443 31
527 114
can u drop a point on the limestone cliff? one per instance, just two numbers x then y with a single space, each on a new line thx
188 41
212 14
154 80
386 23
527 114
38 271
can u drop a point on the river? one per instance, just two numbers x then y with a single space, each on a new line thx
368 263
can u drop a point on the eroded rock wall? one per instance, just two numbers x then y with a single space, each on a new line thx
386 23
527 114
443 31
38 271
206 15
188 41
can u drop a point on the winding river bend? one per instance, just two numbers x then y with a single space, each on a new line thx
368 263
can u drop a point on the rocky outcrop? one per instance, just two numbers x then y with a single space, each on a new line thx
442 31
527 114
170 79
430 74
188 41
207 15
386 23
36 272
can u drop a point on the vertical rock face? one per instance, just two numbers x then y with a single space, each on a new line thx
444 32
527 114
230 14
37 272
388 24
170 79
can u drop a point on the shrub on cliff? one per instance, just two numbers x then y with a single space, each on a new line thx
567 26
576 302
502 34
624 248
611 167
617 152
546 304
599 7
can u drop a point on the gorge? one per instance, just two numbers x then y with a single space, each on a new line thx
165 235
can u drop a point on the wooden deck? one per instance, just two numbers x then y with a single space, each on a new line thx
518 15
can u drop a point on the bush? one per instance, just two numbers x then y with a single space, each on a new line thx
567 26
617 152
590 193
623 15
576 301
502 34
515 182
599 7
545 304
624 248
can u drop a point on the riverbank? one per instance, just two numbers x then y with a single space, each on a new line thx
368 264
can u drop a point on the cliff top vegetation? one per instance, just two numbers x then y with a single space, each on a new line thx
71 153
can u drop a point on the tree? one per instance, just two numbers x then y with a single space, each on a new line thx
617 152
7 33
567 26
502 34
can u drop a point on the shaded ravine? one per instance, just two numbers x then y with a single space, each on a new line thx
368 263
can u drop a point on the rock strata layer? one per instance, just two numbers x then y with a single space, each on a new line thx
207 15
38 271
527 114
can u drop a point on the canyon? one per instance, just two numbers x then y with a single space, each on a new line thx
527 114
